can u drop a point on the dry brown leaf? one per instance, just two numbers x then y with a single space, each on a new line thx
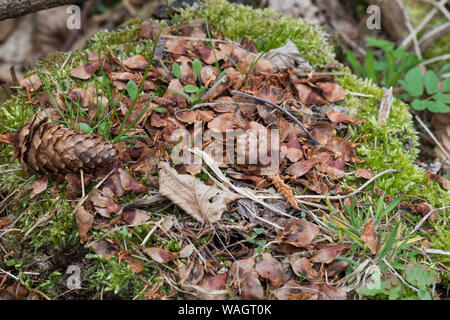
4 222
269 268
136 62
160 255
32 83
202 202
328 253
136 264
38 186
302 267
331 91
135 217
251 288
241 267
364 173
105 247
369 237
323 132
300 168
84 222
213 288
176 45
337 117
293 291
336 267
445 183
299 233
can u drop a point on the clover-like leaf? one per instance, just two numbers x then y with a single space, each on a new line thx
413 82
431 82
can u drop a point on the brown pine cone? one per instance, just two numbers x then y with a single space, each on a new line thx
49 147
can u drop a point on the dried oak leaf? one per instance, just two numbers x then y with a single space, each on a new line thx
299 233
369 237
269 268
160 255
251 288
84 222
364 173
328 253
202 202
104 205
38 186
302 267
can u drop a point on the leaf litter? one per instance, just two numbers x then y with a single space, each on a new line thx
226 86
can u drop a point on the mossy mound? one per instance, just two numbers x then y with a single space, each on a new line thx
393 146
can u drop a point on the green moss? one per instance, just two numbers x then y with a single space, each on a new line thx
267 28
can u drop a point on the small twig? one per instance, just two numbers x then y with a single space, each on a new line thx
429 38
411 29
437 251
319 74
447 156
422 221
273 105
10 170
436 59
399 276
207 104
9 274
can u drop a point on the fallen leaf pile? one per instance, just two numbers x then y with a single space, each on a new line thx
201 78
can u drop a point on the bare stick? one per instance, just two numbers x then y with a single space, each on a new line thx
273 105
447 156
17 8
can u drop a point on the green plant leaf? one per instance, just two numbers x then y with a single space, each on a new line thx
431 82
197 67
444 69
437 106
418 276
442 97
176 70
380 43
191 89
351 58
159 109
132 89
446 85
370 66
85 127
413 82
418 105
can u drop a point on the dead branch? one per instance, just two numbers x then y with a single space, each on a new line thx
17 8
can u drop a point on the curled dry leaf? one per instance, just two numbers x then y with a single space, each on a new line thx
136 264
269 268
328 253
445 183
293 291
105 247
4 222
104 205
186 251
299 233
300 168
337 117
369 237
240 267
343 147
302 267
331 91
204 203
251 288
287 56
38 186
364 173
213 288
336 267
32 83
84 222
135 217
136 62
160 255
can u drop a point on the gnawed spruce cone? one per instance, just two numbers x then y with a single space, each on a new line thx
48 147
